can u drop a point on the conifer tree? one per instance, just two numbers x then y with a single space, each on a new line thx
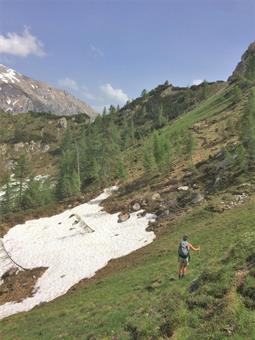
7 204
22 170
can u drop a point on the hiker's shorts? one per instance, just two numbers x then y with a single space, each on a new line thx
184 260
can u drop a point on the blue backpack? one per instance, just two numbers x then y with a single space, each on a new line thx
183 250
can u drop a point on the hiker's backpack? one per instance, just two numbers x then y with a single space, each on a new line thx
183 250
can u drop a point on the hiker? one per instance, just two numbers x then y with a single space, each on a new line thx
184 255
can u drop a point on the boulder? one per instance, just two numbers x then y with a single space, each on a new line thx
183 188
144 203
45 148
164 214
122 217
136 206
62 123
155 197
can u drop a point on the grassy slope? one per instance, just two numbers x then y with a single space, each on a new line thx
141 301
142 298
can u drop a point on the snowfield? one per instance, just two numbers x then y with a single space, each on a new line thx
73 245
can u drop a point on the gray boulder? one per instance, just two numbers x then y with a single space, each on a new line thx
122 217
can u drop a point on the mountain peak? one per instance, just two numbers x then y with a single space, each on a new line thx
19 93
246 67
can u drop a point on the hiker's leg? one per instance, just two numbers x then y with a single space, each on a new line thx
181 269
185 267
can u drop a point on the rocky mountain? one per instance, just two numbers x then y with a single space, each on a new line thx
246 67
19 93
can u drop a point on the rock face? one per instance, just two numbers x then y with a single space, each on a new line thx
19 93
246 67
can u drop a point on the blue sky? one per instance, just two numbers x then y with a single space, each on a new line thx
105 52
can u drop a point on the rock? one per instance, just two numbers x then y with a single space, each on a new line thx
144 203
18 146
164 213
45 148
195 186
122 217
183 188
197 197
3 149
136 207
223 164
245 185
141 214
172 204
188 174
62 123
217 181
155 197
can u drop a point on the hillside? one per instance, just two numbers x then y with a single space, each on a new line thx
192 164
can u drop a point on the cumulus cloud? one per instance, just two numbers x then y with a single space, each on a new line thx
68 83
96 51
104 96
116 95
21 45
197 81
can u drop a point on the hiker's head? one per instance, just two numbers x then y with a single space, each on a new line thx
185 238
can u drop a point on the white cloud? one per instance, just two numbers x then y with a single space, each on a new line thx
21 45
117 95
97 51
97 100
68 83
197 81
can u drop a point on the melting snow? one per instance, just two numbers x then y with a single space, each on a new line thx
9 76
72 245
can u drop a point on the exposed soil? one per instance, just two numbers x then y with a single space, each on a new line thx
18 285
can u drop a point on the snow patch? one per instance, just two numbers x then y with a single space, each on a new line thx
71 248
9 76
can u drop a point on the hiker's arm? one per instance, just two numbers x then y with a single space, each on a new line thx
193 248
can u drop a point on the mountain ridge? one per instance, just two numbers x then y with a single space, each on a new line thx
19 93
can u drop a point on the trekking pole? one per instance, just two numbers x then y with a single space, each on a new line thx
9 257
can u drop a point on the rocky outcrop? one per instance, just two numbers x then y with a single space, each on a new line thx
246 67
19 93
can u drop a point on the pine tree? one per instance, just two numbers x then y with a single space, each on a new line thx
205 89
149 163
144 93
7 204
189 146
22 170
160 120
